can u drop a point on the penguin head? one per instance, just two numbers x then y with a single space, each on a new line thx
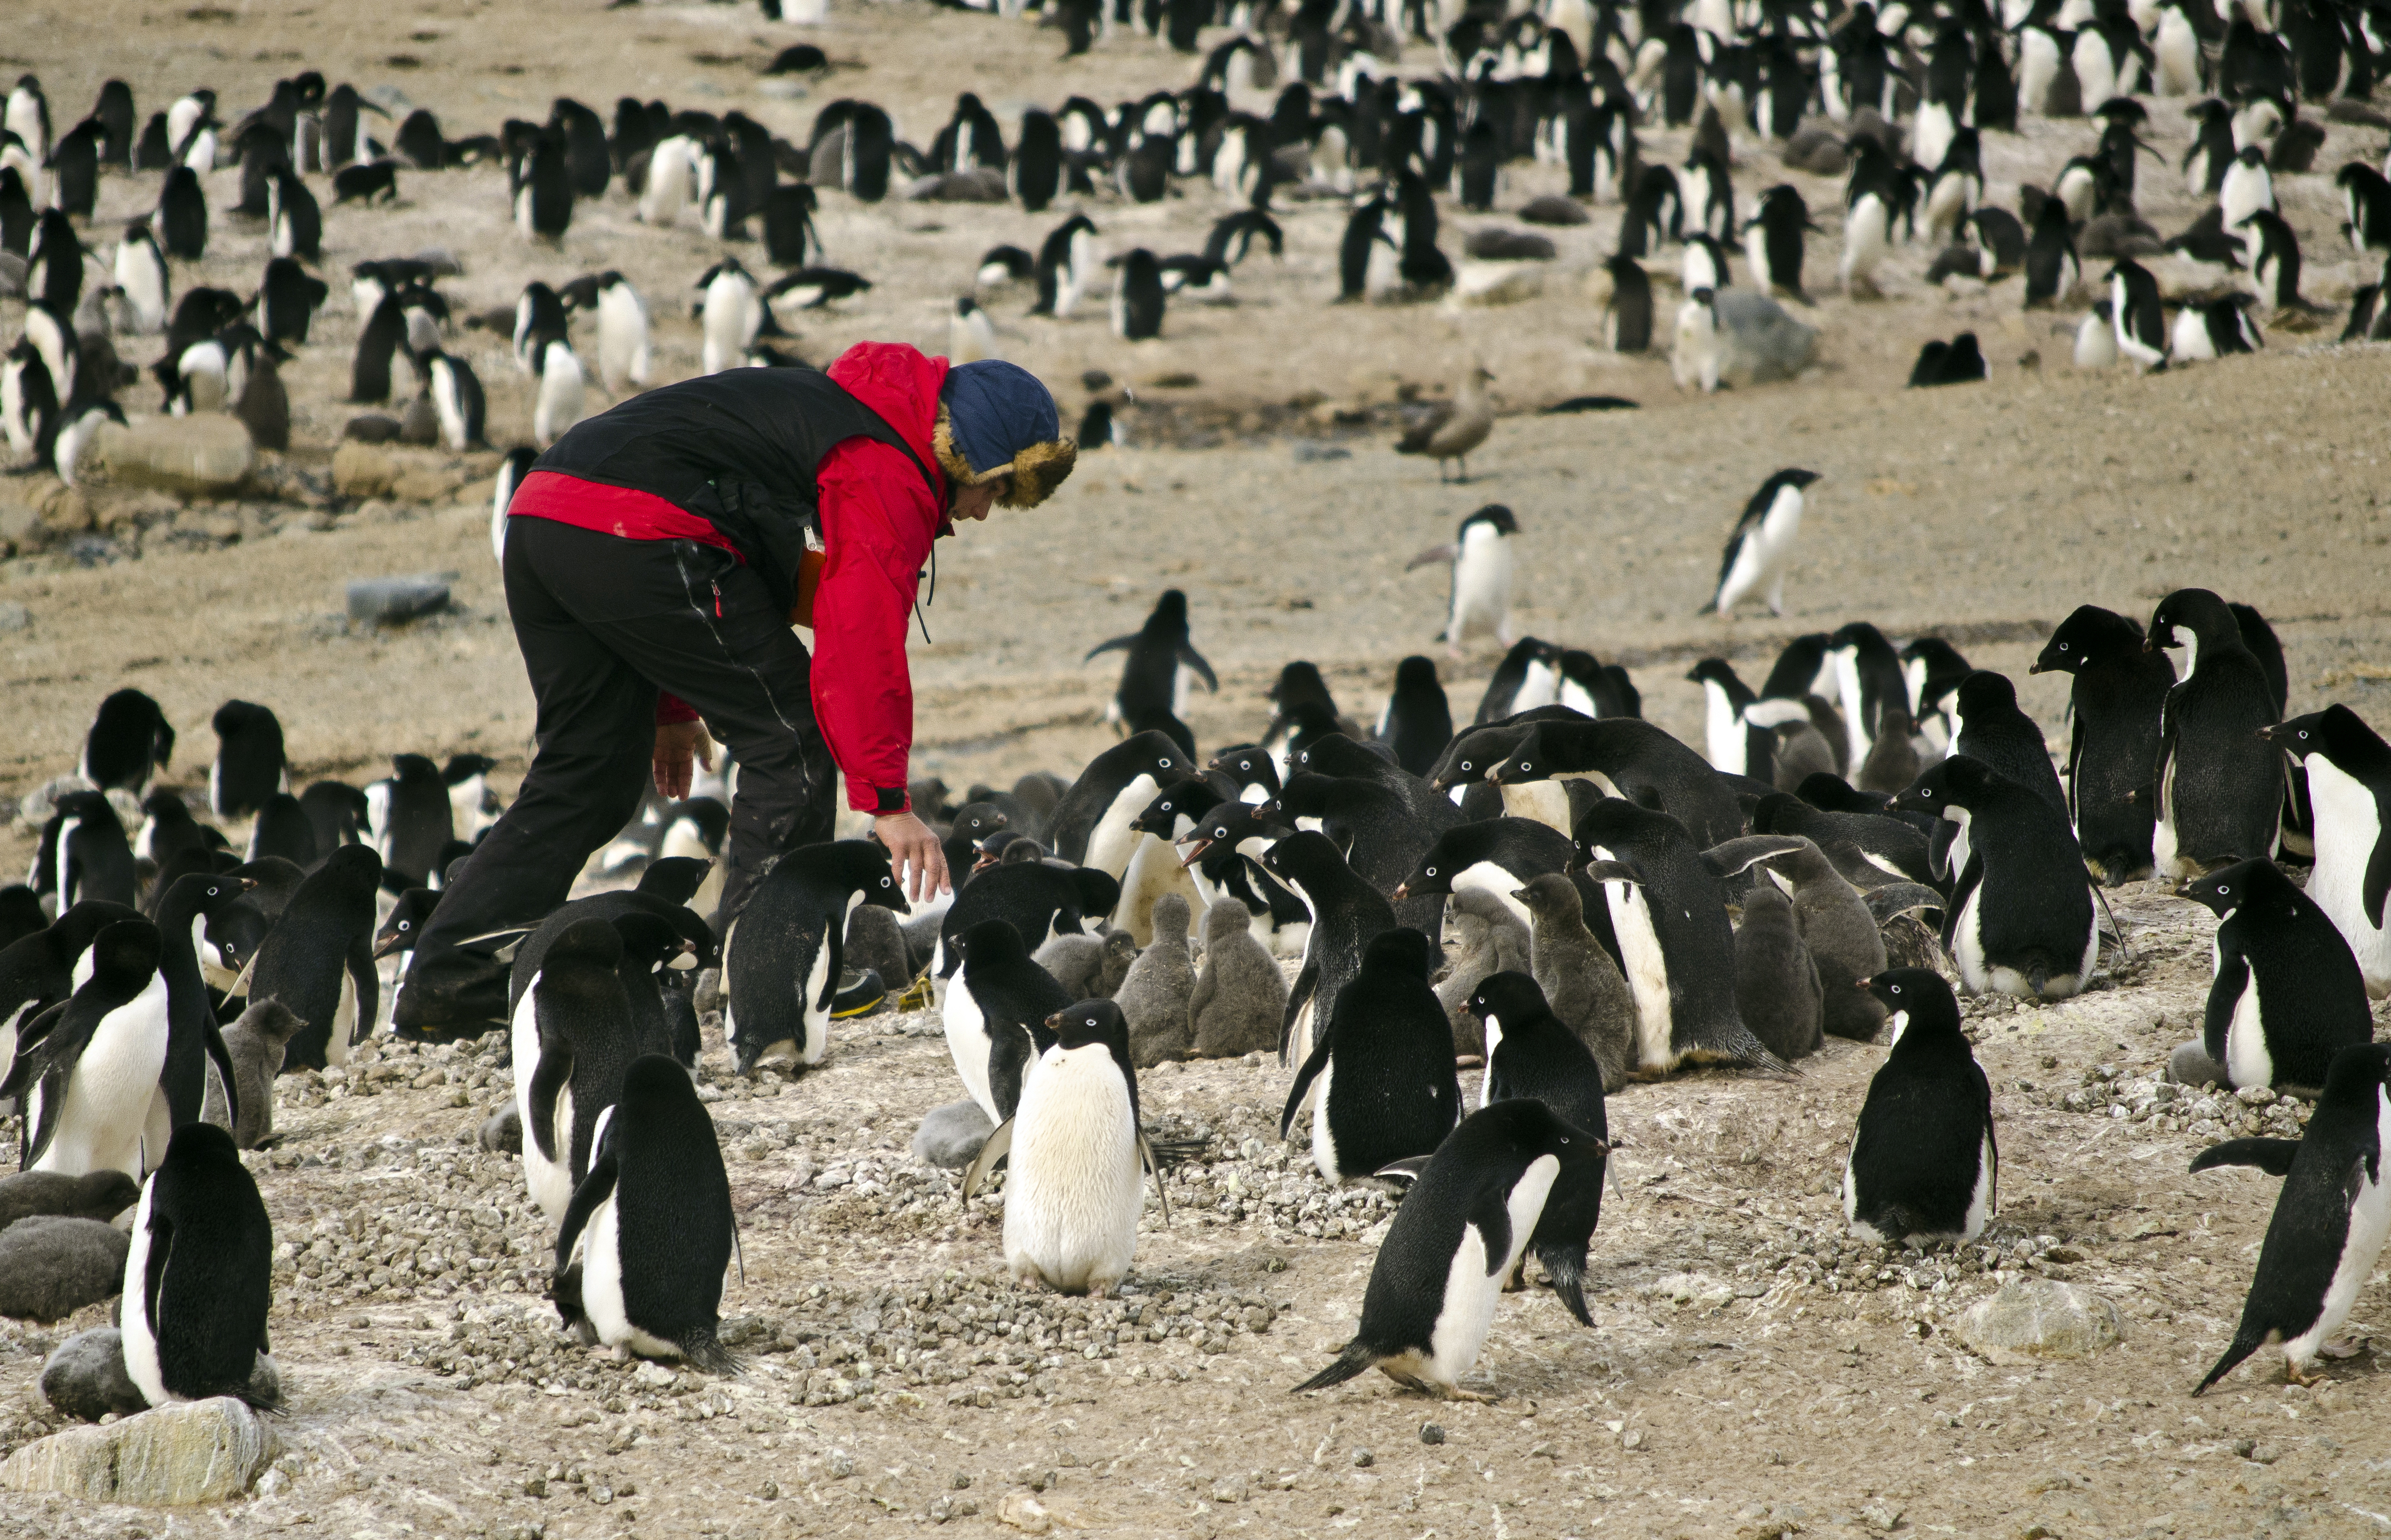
1949 788
1551 893
2228 887
123 955
1494 515
1615 823
1983 694
865 869
979 820
1091 1023
1403 951
2335 727
461 768
593 940
655 942
212 892
2089 635
1416 673
1919 991
1768 905
2197 610
989 945
406 921
1509 998
202 1146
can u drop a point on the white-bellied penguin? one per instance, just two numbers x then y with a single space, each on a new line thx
781 956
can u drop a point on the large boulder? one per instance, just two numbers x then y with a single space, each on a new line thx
1738 338
2032 1319
192 1451
205 455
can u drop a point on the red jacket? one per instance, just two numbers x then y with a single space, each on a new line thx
878 519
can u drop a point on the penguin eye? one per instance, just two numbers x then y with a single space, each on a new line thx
1464 765
1165 763
2222 889
1525 766
883 882
2063 646
1896 989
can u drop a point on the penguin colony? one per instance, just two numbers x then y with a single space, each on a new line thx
156 982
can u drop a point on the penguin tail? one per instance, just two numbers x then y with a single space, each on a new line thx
1357 1357
703 1349
1566 1265
2245 1342
1710 608
2036 977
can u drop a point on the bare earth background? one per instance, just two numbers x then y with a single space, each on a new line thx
1751 1373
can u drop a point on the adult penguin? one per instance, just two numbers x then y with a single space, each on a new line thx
89 1080
1417 722
83 853
181 221
250 765
317 961
1989 727
1532 1055
1668 913
1383 838
2120 689
129 743
1384 1086
1494 856
2349 772
2219 784
2286 994
410 819
1000 1001
1835 923
199 1278
1627 757
2020 918
1478 1204
1923 1164
1090 826
791 933
1040 898
1347 916
2329 1220
653 1225
1867 679
1156 678
657 958
573 1043
192 1035
1627 313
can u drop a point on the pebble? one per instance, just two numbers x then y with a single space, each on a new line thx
1432 1432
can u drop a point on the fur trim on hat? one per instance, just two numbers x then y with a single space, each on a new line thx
1034 473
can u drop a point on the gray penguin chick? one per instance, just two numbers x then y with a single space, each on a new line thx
1490 939
86 1376
1777 988
1154 996
1833 918
51 1265
254 1044
875 938
95 1195
951 1134
1580 983
1240 996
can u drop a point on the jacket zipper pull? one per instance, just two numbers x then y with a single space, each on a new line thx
718 601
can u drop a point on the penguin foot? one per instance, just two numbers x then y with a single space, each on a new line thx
2294 1375
1455 1392
2341 1347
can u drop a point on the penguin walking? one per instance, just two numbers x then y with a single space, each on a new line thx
2286 994
558 404
2348 770
1156 677
2329 1220
409 820
995 1016
2119 690
653 1225
455 392
1924 1165
573 1045
733 314
1418 720
2219 785
781 956
2134 312
318 958
1379 1079
1475 1207
199 1278
1138 298
1481 561
130 740
622 316
1532 1055
2021 919
88 1080
1078 1158
1761 547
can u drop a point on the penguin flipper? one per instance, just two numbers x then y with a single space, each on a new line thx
1492 1214
2271 1156
1730 857
213 1040
2224 995
2378 880
1118 644
1434 555
554 1072
1306 981
994 1148
1406 1170
22 1073
1194 659
1153 1162
1303 1079
1614 871
2248 1340
593 1190
367 982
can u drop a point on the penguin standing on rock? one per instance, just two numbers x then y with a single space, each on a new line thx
1761 549
199 1278
2348 769
318 958
573 1043
2329 1220
1078 1158
2119 691
781 956
1379 1079
2287 995
1923 1164
88 1084
1482 562
1461 1231
2218 782
652 1225
2020 918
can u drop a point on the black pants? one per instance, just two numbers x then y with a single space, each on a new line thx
604 623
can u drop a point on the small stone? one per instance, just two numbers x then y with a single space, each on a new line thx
1431 1433
1020 1510
194 1452
382 600
1364 1459
653 1376
2038 1319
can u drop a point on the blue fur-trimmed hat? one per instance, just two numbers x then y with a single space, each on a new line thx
998 422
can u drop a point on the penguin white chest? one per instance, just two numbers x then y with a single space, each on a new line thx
1647 972
1488 877
1723 732
1968 943
1071 1204
1473 1281
1112 842
140 1332
968 1045
1481 583
2348 827
2369 1225
106 1107
2247 1058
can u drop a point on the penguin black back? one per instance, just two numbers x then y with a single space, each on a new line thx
250 767
205 1269
2287 995
317 961
2119 690
1391 1092
1418 719
1924 1161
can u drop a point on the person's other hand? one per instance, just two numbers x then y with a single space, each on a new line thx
913 855
677 743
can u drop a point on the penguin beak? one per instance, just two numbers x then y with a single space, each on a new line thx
388 946
1402 890
245 883
1197 855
